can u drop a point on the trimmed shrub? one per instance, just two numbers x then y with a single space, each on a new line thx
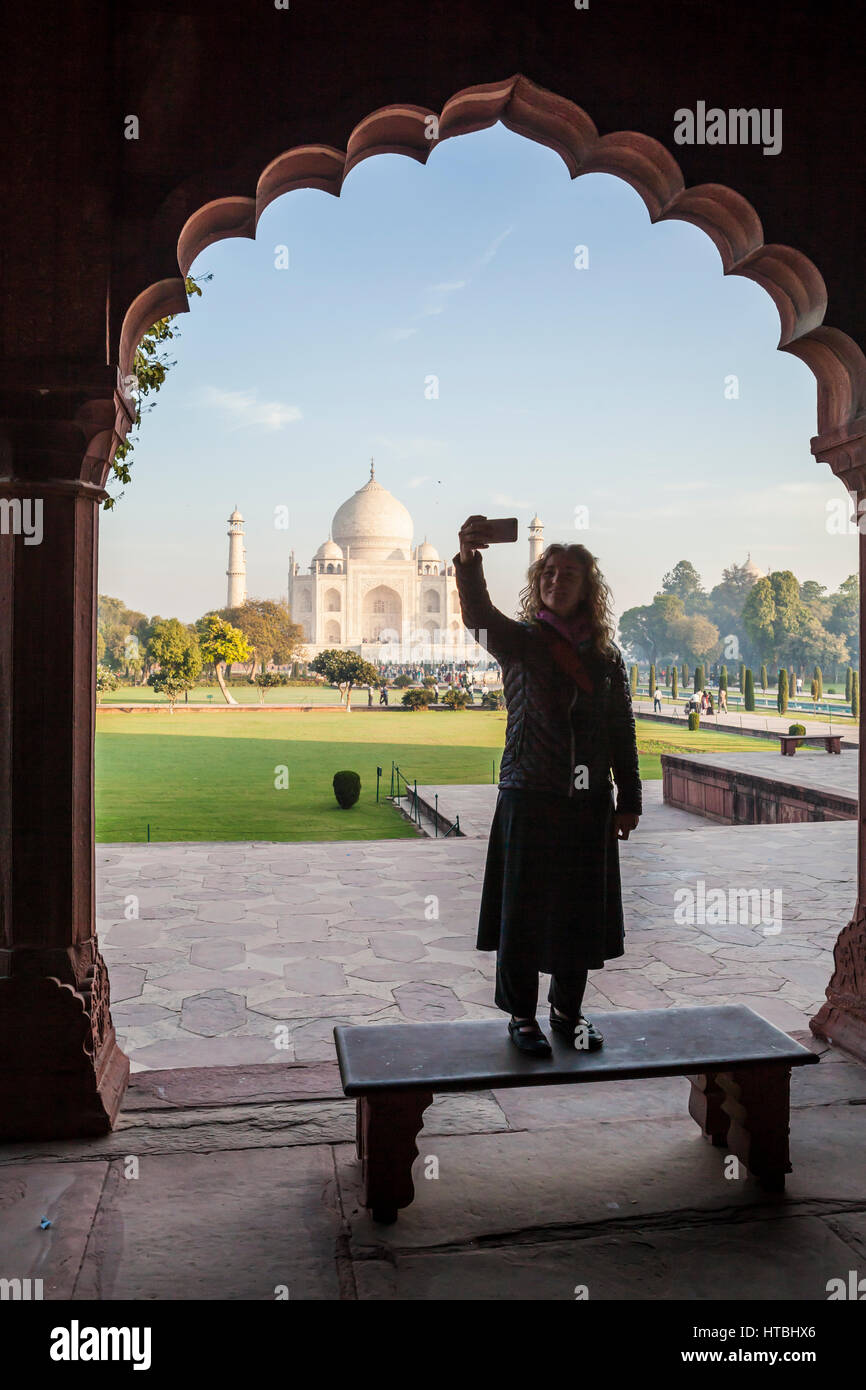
699 678
741 676
652 681
723 678
855 694
848 682
417 698
429 683
782 691
763 678
400 682
633 679
797 729
749 692
819 683
493 699
347 788
694 720
456 699
674 674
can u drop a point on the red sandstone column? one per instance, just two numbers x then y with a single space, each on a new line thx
61 1071
842 1019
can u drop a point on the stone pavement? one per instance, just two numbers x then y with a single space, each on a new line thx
251 953
767 720
246 1176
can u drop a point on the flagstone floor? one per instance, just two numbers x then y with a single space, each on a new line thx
234 953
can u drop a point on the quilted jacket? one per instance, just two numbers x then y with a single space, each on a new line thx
558 738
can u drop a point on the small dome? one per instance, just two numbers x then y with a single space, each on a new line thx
536 520
752 569
328 550
426 551
235 516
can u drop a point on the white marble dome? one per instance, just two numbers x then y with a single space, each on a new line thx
328 550
426 551
374 524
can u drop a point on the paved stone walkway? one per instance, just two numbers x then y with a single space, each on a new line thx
763 719
250 953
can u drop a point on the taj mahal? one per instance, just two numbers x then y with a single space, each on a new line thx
367 585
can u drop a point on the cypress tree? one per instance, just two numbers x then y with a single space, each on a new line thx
652 680
723 678
819 681
855 694
749 690
673 682
633 680
763 677
685 675
699 678
848 675
782 692
741 676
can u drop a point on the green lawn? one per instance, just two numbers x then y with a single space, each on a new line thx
244 695
212 776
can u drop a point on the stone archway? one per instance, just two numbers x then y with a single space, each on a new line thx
381 611
61 1072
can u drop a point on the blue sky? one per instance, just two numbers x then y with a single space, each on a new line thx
559 387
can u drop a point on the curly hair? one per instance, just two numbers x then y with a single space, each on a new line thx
597 602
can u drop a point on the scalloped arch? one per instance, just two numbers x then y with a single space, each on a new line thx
792 280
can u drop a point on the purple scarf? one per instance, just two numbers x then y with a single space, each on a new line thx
575 629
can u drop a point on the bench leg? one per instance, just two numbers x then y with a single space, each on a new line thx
705 1106
757 1100
387 1127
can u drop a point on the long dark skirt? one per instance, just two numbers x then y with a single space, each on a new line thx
552 893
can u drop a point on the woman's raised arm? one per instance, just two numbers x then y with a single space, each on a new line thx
503 637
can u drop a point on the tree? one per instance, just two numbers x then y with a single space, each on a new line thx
848 675
175 648
673 682
652 681
699 678
345 669
633 679
268 628
105 680
684 672
855 694
723 678
844 617
119 635
697 638
684 582
741 676
782 691
773 612
266 680
221 643
763 678
819 682
749 690
149 368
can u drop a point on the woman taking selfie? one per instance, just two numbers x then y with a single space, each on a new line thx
551 901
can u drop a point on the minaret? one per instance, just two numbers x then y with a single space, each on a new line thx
536 538
237 570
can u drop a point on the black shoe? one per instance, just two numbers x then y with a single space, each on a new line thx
534 1042
580 1033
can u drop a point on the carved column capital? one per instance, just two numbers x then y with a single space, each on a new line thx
59 429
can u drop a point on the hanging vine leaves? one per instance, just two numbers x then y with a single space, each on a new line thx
150 367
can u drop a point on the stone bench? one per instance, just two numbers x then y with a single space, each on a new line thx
739 1067
791 742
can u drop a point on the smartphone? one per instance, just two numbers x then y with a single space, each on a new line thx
500 529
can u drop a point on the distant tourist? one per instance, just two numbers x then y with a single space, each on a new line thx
723 701
710 709
383 695
369 696
551 900
657 702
